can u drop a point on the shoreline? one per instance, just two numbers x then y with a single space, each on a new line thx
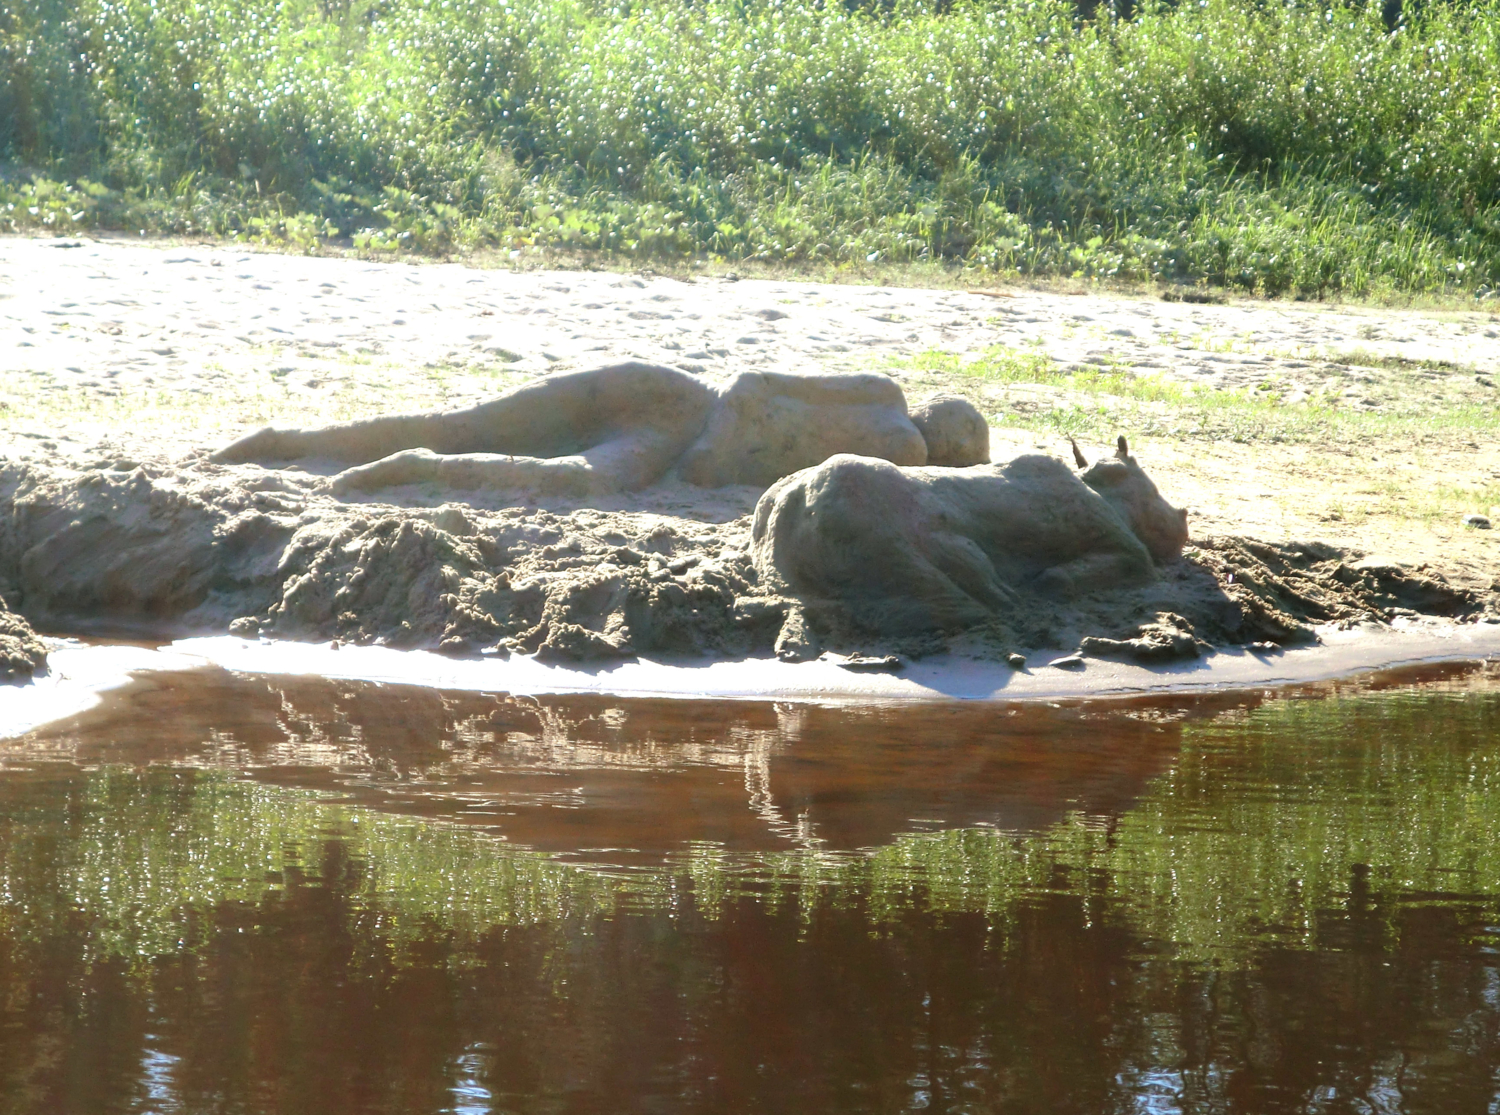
130 361
80 675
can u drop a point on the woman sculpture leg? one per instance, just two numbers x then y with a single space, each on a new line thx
605 429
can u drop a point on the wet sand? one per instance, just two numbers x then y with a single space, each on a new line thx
79 673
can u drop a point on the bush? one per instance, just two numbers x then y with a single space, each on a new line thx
1276 148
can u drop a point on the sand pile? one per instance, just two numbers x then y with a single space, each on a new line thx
22 654
173 547
200 549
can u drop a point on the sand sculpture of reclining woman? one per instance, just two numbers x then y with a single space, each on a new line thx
625 426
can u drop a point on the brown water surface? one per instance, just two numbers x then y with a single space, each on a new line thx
238 894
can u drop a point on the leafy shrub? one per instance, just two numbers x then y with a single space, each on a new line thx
1282 148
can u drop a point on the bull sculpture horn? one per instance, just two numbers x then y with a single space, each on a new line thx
1078 454
1121 449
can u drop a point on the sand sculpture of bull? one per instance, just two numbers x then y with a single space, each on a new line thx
918 549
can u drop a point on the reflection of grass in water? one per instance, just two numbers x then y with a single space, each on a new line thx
142 853
1259 826
1102 402
1407 787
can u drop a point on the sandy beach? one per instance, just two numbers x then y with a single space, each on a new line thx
123 349
124 355
101 320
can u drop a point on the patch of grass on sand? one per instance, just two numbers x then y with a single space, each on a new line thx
1029 390
1364 358
73 407
1437 502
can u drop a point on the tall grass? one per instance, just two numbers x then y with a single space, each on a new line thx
1282 148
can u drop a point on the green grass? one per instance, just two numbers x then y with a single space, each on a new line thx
1289 148
1363 358
1029 390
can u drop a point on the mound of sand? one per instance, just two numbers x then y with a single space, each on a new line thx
173 547
22 654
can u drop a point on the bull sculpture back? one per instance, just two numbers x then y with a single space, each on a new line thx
919 549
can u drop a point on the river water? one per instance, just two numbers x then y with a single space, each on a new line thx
224 893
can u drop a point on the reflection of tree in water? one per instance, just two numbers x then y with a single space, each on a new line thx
1298 913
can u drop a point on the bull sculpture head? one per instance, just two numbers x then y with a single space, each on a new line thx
1127 488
